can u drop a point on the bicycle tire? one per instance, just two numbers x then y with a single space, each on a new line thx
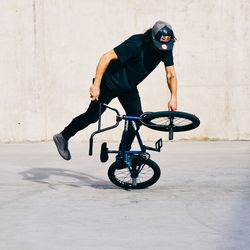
121 177
167 120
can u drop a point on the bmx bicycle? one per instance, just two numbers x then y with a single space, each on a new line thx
133 169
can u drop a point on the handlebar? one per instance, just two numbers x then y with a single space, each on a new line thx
100 130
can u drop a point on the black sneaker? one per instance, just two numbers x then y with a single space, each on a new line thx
62 146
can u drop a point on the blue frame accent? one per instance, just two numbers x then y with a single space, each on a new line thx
131 118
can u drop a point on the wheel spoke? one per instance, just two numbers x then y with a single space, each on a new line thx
161 121
124 175
164 121
181 122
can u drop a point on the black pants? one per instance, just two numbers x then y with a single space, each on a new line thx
130 101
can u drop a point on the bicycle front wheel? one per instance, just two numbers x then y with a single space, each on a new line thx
147 173
167 120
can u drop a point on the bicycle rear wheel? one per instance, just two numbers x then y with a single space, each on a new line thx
167 120
147 172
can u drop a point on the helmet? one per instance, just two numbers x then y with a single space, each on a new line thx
163 36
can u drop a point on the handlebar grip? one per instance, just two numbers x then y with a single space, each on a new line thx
91 146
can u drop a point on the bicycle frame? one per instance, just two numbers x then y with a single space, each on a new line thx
128 120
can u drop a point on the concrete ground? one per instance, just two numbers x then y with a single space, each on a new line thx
202 200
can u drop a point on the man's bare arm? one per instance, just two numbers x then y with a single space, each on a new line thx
172 85
100 70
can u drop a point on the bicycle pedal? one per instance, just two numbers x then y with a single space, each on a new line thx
104 152
158 145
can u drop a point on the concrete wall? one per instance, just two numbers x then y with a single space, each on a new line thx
49 50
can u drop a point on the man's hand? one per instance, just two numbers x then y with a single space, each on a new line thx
94 92
172 104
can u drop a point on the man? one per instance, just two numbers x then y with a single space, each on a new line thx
118 73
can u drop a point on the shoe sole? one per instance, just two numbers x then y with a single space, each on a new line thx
57 141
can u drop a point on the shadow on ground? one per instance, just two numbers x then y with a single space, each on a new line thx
56 176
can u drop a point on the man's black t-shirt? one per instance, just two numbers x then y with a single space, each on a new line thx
136 60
